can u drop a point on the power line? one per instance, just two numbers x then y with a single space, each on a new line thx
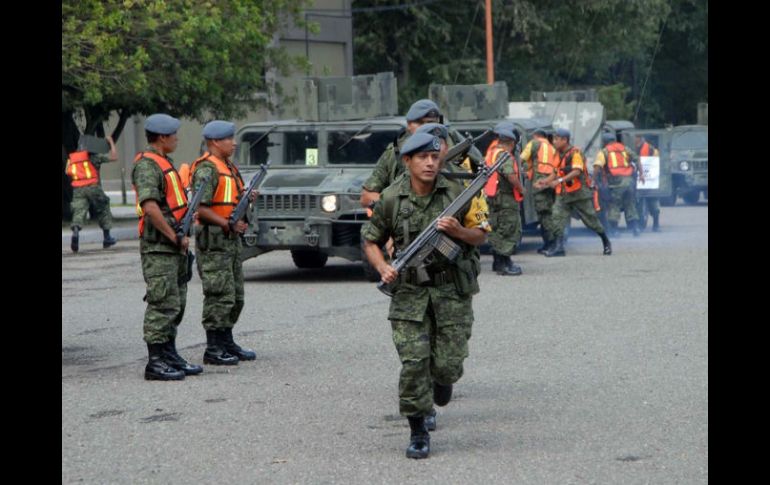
649 69
382 8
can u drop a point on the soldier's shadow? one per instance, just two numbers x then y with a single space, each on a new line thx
331 273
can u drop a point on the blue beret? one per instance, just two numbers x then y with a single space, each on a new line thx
421 109
563 132
161 124
540 132
436 129
421 142
507 130
608 138
218 129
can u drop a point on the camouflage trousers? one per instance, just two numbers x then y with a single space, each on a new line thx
562 211
94 197
653 205
433 349
544 201
221 273
166 297
622 194
506 228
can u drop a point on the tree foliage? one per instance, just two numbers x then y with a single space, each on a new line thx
183 57
545 45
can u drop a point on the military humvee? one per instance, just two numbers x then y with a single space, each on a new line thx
689 162
309 201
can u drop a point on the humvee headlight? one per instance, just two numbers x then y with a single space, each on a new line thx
329 203
684 166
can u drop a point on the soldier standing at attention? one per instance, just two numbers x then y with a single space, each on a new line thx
617 165
504 191
161 204
430 321
218 244
573 193
87 191
541 161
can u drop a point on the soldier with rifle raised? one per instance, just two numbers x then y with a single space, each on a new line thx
432 279
218 243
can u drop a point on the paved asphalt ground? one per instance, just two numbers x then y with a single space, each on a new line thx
585 370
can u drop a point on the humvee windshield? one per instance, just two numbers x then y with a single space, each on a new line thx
364 149
302 148
690 140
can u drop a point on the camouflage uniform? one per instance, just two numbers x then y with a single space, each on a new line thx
388 167
431 324
621 191
219 261
504 216
92 196
164 267
543 199
580 201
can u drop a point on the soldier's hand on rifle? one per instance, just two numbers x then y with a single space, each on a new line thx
253 195
387 273
239 227
449 225
183 243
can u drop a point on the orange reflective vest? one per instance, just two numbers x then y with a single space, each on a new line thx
229 186
184 174
647 150
176 198
81 171
617 161
546 159
491 186
565 167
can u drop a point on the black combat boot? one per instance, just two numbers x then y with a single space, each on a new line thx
495 262
235 349
655 222
507 268
606 243
557 249
157 368
75 243
215 353
635 228
419 440
442 394
108 240
176 361
430 420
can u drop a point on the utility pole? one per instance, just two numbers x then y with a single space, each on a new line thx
490 59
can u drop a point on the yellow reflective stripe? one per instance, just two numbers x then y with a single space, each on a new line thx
177 190
75 171
87 169
138 209
613 160
228 190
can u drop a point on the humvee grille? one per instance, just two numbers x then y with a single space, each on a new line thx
700 165
292 203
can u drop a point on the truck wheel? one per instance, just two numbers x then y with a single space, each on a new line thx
692 197
309 259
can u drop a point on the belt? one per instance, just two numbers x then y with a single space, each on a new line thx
434 278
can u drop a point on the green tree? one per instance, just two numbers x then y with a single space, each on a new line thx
190 58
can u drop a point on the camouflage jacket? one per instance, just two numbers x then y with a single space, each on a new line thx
402 214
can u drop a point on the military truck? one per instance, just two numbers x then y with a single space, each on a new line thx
689 163
657 170
309 201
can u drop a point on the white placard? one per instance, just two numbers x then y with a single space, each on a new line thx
651 167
